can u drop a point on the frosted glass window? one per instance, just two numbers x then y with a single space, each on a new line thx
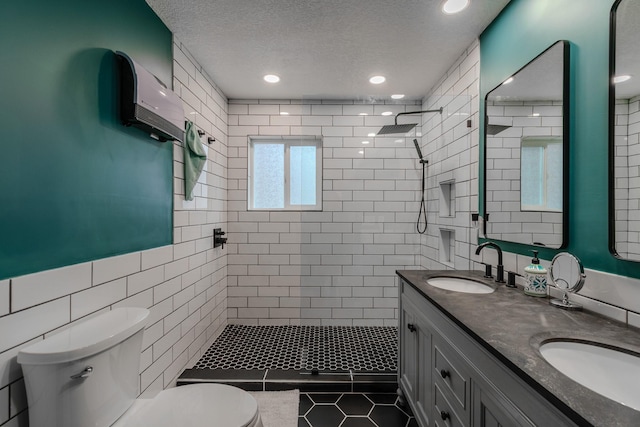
541 174
268 173
285 174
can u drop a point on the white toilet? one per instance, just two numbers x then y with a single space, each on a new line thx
87 376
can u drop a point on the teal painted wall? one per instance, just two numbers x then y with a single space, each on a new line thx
523 30
76 185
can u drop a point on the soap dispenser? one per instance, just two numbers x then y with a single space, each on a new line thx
536 278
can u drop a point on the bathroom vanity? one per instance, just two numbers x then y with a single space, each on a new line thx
472 359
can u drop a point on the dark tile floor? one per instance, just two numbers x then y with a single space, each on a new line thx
353 410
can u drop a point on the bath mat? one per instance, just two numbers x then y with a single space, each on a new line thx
278 408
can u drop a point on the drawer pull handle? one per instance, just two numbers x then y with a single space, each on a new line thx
444 415
411 327
444 373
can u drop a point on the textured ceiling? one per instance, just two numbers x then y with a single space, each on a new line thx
324 48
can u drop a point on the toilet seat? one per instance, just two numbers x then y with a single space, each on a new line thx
196 405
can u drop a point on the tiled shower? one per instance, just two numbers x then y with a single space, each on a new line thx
335 267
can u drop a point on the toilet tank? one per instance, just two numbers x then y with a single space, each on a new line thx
87 374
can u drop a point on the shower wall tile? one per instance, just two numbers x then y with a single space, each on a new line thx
370 202
452 150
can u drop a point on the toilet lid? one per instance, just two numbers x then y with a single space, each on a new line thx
197 405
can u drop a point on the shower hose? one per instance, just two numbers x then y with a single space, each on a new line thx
423 207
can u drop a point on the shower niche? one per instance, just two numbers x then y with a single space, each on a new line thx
447 247
446 217
447 199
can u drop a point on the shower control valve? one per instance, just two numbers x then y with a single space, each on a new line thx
218 240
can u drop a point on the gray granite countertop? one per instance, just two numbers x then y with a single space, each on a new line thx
511 326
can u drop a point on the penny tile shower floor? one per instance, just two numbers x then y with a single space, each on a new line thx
355 367
325 348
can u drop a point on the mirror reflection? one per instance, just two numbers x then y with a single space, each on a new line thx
526 143
625 95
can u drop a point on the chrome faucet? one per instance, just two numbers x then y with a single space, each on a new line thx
499 267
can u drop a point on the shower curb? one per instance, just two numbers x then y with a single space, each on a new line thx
305 381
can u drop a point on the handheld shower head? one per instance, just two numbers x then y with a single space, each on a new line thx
415 142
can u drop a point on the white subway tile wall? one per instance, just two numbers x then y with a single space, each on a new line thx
184 284
331 267
451 147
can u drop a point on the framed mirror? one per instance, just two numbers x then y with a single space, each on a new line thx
624 131
526 153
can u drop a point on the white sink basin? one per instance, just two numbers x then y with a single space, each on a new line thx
460 285
609 372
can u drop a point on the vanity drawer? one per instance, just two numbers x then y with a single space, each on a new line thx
444 414
450 373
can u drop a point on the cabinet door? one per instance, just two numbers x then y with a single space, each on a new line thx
424 389
494 410
408 353
415 361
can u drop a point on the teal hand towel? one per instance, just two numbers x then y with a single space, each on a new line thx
194 158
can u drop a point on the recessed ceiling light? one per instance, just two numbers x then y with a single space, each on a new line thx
399 140
284 113
387 113
449 7
360 152
363 114
397 96
376 80
509 80
535 115
365 142
621 79
371 135
271 78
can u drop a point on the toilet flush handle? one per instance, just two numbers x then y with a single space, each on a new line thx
83 374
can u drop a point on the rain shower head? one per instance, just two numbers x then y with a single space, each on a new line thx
396 128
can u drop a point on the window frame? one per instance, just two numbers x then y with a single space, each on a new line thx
544 142
288 142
